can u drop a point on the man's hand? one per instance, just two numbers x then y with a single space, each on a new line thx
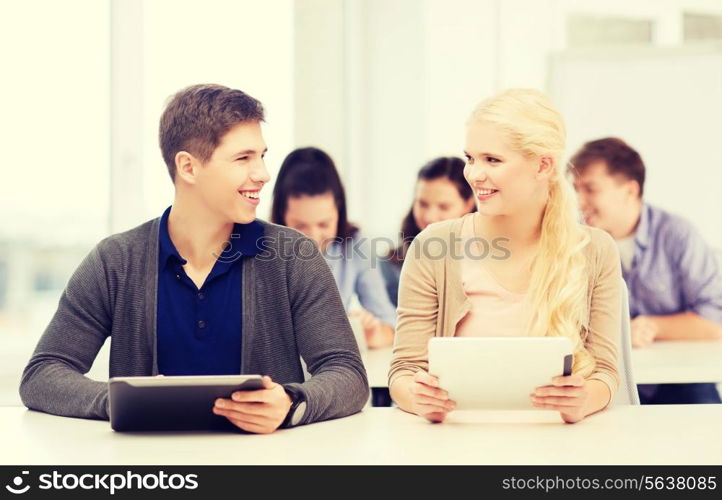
644 331
261 411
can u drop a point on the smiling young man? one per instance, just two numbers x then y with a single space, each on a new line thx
675 287
206 289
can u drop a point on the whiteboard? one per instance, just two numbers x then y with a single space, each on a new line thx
667 104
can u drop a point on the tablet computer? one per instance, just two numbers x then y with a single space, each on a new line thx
497 373
173 403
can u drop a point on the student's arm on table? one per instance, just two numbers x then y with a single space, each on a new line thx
410 384
338 386
682 326
700 284
53 380
378 317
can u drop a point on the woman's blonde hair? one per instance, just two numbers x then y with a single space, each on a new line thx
559 280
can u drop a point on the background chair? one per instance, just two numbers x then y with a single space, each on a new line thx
627 393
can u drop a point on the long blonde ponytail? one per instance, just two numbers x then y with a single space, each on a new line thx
559 278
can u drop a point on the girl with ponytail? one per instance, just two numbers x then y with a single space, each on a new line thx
555 277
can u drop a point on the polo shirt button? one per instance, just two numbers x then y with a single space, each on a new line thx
177 276
201 324
201 296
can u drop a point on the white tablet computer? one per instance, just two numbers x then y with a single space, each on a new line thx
173 403
497 372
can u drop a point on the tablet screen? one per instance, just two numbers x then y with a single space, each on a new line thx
497 372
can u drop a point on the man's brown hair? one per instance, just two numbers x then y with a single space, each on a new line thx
620 158
197 117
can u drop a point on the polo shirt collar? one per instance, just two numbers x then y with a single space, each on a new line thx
245 241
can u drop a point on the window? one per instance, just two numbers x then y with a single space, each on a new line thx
54 195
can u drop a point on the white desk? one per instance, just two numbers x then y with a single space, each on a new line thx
624 435
678 362
664 362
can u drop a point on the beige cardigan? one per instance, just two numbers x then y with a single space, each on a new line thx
432 300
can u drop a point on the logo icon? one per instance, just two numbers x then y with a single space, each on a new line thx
18 482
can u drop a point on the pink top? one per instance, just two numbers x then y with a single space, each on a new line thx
495 311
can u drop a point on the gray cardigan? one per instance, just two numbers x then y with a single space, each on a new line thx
291 310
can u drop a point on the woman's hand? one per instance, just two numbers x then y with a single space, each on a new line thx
428 399
567 395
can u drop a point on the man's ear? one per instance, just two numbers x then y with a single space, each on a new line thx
185 167
633 189
545 167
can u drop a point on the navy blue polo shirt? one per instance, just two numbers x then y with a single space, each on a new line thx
199 330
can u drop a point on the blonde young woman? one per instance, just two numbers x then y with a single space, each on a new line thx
556 277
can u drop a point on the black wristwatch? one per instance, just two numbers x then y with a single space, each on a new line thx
298 406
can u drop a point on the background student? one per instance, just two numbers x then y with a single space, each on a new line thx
441 193
673 277
309 197
559 278
188 293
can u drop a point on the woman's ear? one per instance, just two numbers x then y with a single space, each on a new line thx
545 167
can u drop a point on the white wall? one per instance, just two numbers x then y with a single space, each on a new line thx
461 67
414 70
53 121
239 43
667 104
318 67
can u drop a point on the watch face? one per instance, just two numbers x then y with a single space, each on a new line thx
298 413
